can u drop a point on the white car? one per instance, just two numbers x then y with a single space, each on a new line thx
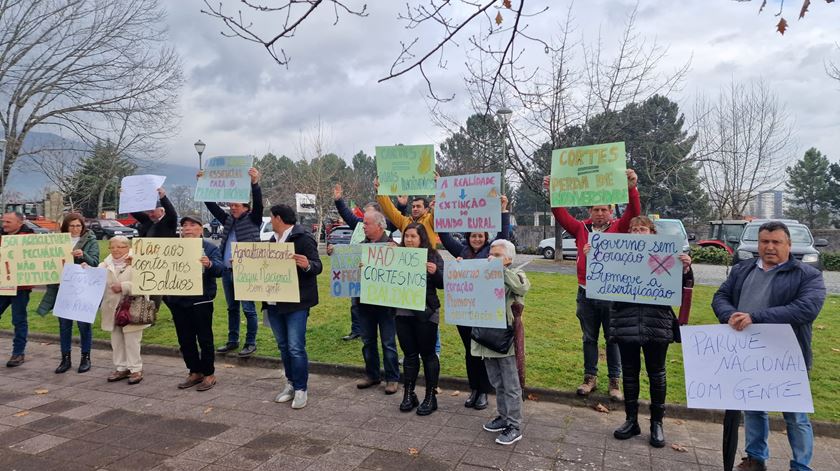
546 247
266 231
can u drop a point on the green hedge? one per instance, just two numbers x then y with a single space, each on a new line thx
710 255
830 261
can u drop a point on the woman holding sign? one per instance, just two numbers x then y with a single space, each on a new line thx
478 247
85 250
417 330
650 329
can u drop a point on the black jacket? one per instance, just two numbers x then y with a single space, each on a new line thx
351 219
645 323
247 226
166 227
208 279
434 282
305 244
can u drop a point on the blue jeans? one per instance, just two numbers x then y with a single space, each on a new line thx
65 329
355 324
799 432
19 319
248 307
373 318
594 315
290 332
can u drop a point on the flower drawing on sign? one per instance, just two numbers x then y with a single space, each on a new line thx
500 293
660 264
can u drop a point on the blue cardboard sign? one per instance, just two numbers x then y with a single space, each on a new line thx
474 293
344 277
468 203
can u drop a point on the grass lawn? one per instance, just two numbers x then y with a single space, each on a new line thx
553 339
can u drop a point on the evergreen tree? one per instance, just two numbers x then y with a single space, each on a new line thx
810 189
97 179
475 148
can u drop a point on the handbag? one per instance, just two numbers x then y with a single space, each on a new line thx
498 340
144 309
123 315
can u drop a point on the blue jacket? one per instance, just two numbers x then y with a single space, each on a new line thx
464 251
798 294
208 278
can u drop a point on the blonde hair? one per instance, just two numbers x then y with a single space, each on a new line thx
643 221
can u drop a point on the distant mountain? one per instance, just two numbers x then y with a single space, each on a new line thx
30 182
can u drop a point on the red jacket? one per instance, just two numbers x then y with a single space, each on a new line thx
580 229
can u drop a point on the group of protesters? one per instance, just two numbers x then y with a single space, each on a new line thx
775 288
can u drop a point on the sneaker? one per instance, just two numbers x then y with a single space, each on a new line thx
248 350
509 436
496 425
286 395
228 347
751 464
300 400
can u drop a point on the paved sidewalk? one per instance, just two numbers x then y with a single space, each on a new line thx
79 421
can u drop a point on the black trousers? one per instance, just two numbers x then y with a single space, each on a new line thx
631 365
417 340
476 371
194 327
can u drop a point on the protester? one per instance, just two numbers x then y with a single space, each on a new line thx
13 225
241 225
288 319
125 340
477 247
378 318
594 314
85 250
193 315
159 222
417 330
781 290
421 213
501 367
649 328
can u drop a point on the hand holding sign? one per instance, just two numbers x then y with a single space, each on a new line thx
140 192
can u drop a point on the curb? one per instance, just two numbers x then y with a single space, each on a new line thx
674 411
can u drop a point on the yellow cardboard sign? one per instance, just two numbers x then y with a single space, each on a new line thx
265 271
35 259
167 266
7 286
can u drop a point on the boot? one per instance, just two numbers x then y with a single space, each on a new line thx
65 363
84 363
590 383
630 428
431 368
657 433
470 402
615 391
410 400
429 403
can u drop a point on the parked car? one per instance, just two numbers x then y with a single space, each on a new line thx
107 228
35 228
340 235
546 247
803 245
674 227
266 231
397 236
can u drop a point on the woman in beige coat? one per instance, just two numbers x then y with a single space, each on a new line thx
125 341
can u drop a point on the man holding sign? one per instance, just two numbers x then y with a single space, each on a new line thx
595 314
13 225
778 289
159 222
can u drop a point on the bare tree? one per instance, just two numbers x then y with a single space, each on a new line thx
745 143
782 25
182 199
317 171
97 68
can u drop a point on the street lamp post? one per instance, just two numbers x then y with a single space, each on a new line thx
199 147
504 114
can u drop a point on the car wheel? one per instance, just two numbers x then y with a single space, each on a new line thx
548 253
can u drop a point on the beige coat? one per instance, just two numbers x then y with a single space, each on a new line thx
111 300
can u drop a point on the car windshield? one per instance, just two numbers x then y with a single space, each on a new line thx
798 234
110 223
669 228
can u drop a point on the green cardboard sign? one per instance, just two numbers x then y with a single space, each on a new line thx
406 170
589 175
394 276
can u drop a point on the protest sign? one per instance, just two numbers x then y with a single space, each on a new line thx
7 285
643 269
394 276
139 193
344 263
265 271
358 234
474 293
225 179
406 170
167 266
468 203
589 175
35 259
760 368
80 293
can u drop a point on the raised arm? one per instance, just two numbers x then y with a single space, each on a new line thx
391 213
216 211
634 205
170 215
346 213
451 244
256 195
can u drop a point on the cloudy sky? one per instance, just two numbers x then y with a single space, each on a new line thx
238 101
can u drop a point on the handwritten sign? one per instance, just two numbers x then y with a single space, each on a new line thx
139 193
7 285
80 293
642 269
474 293
406 170
36 259
167 266
589 175
468 203
759 368
394 276
344 263
265 271
358 234
225 179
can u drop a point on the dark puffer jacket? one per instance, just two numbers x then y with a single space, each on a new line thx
645 323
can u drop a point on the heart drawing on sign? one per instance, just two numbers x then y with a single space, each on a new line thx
500 293
661 264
